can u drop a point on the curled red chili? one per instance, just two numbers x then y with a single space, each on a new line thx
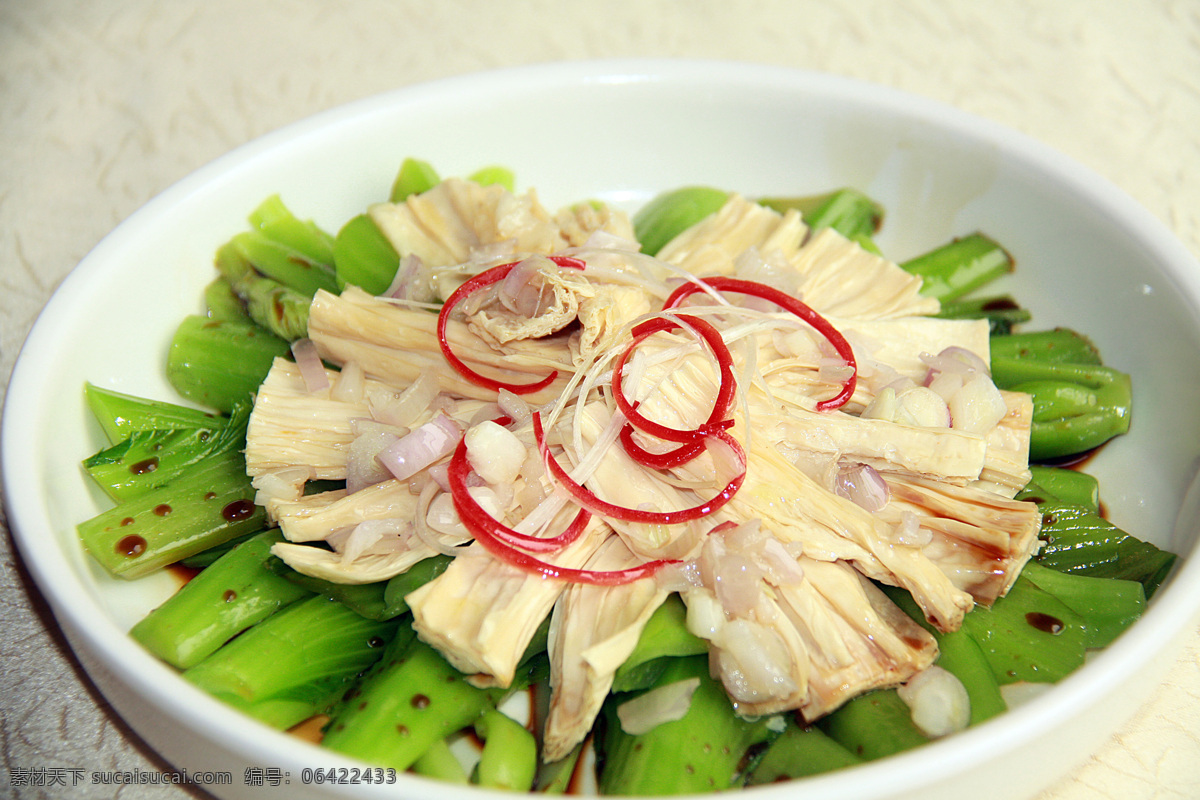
482 524
588 499
472 285
512 547
725 390
789 303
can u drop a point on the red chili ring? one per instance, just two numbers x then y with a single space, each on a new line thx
505 543
789 303
586 498
725 391
473 284
475 516
671 458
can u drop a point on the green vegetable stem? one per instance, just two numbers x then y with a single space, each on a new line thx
671 213
281 263
701 752
1076 407
1078 540
120 415
1029 635
664 638
960 266
221 302
409 703
1002 312
275 306
152 458
415 176
237 591
218 363
848 211
509 759
1057 346
873 725
800 751
273 219
317 648
1062 485
1108 606
208 504
364 257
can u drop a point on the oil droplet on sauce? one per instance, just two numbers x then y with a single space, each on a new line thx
143 467
237 510
1044 622
131 546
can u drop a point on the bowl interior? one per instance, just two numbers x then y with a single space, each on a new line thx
1087 257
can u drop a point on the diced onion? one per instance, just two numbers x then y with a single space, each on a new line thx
412 281
312 371
519 292
862 485
978 406
350 385
495 452
938 701
426 445
955 359
662 704
1022 692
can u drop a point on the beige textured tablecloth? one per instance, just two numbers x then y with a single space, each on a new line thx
105 103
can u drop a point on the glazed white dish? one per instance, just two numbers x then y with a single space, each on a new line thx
1088 258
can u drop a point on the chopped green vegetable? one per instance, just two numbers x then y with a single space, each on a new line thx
1108 606
1001 311
203 507
800 751
671 213
1029 635
960 266
1057 346
495 176
1080 541
415 176
221 302
148 459
411 701
239 590
510 754
120 414
701 752
218 363
1076 407
273 219
873 725
284 265
1062 485
317 648
848 211
278 308
664 638
364 256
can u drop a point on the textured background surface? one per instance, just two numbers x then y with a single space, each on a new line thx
105 104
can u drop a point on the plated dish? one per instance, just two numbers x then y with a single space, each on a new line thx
942 174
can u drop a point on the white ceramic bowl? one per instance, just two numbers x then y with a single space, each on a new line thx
1088 257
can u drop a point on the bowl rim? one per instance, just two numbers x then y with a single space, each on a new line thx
1174 608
